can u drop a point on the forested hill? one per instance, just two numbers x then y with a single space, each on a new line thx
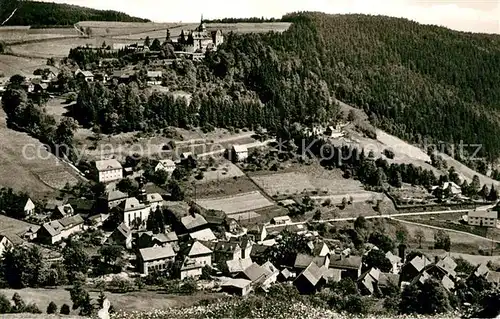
54 14
416 81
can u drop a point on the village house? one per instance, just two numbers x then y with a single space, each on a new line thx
367 283
8 241
121 236
166 165
245 244
281 220
155 259
486 218
236 286
239 153
29 207
28 86
349 265
57 230
395 262
63 211
108 170
82 206
302 261
310 279
258 253
154 77
101 77
227 250
193 222
87 76
482 271
450 189
334 131
413 267
260 276
148 239
196 256
319 248
236 266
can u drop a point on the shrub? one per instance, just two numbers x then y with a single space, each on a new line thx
52 308
65 310
32 308
5 306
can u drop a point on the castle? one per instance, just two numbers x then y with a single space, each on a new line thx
200 40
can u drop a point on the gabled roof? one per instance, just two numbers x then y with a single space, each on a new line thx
320 249
71 221
303 260
240 148
190 221
238 265
106 165
351 262
13 238
332 274
204 234
235 282
481 270
53 228
116 195
258 250
198 249
124 230
256 273
191 264
447 283
167 163
419 262
312 273
29 204
385 279
165 238
154 253
270 267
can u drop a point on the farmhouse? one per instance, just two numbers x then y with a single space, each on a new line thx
487 218
239 153
165 165
227 250
203 235
303 260
84 75
413 267
57 230
235 266
108 170
148 239
155 258
281 220
29 207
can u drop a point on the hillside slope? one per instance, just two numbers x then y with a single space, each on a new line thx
36 13
418 82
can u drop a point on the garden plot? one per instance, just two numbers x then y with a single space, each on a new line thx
359 197
236 204
223 171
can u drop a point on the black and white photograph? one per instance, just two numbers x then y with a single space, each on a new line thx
270 159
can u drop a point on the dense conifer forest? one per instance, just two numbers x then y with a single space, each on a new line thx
36 13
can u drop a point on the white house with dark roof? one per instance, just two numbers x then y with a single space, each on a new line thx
121 236
109 170
85 75
8 241
154 259
310 279
135 213
115 198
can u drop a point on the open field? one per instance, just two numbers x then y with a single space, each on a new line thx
222 171
312 178
358 197
140 301
59 48
225 187
10 35
25 163
468 173
11 65
237 203
11 225
401 147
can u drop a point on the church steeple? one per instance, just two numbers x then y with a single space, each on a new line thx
201 27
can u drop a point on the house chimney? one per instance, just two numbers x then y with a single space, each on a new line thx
436 259
402 252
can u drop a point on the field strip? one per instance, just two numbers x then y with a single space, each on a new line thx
237 203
